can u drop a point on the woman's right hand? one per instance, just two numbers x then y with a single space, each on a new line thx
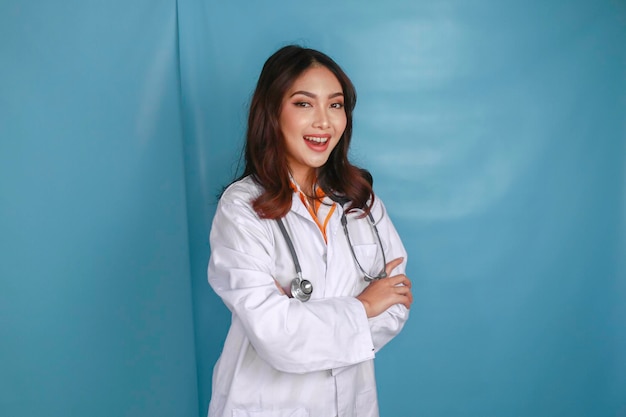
381 294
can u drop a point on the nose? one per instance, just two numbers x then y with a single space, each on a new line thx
321 120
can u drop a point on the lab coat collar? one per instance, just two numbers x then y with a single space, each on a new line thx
298 207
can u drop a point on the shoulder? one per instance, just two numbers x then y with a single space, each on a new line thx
377 207
235 219
241 192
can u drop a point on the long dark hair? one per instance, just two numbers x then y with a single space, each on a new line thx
265 149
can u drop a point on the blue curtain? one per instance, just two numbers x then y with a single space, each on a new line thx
495 133
95 292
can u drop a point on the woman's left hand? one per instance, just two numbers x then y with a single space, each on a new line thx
381 294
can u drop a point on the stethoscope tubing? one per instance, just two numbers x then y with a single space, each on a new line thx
301 289
370 219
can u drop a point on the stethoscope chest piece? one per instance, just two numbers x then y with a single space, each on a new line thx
301 289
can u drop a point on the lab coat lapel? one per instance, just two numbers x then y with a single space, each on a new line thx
298 207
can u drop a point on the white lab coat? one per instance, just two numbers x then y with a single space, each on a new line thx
283 357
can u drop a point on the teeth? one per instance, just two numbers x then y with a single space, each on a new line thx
316 139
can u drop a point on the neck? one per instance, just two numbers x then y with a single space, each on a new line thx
305 182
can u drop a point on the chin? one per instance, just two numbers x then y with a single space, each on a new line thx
318 164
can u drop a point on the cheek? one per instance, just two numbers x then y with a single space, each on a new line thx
289 122
283 123
342 123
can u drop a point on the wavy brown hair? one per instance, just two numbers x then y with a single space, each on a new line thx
265 151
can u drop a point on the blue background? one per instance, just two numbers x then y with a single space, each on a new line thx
496 133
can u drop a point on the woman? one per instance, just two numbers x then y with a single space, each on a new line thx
291 351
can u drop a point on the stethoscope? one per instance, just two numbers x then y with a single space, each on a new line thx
301 289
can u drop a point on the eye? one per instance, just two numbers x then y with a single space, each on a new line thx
302 104
337 105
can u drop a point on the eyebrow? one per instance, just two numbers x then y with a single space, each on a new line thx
311 95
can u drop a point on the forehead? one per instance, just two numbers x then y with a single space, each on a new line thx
316 79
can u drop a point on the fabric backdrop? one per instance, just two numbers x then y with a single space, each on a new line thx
496 135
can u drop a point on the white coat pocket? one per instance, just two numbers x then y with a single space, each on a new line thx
369 257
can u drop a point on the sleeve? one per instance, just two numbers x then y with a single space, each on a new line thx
290 335
387 325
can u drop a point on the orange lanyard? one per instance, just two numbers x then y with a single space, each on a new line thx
315 209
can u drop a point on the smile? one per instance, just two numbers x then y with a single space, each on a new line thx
317 139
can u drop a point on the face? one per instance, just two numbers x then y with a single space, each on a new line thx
312 120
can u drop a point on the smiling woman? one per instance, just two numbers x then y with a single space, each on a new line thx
296 346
